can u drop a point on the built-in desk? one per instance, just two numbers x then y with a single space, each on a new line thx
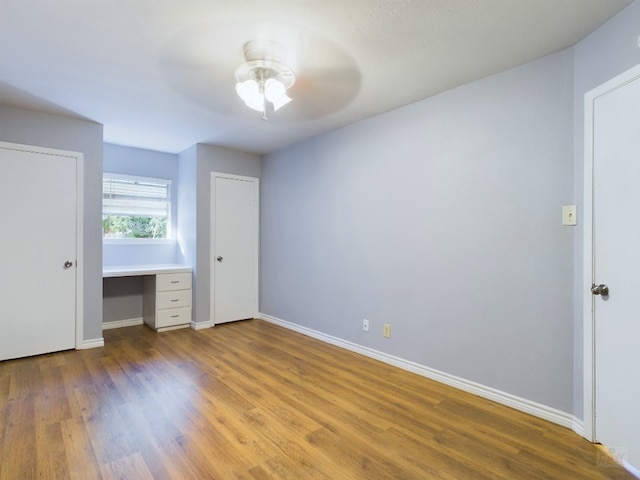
167 293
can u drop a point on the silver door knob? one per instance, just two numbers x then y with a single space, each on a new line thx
219 259
68 264
601 289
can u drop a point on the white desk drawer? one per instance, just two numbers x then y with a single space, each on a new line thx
173 316
175 299
173 281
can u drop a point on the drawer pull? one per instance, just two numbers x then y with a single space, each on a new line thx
175 299
175 281
175 316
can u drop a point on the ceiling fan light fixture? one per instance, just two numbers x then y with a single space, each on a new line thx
276 93
280 102
262 78
249 92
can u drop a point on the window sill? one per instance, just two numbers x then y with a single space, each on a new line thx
138 241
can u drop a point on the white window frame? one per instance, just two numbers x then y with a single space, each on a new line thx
142 241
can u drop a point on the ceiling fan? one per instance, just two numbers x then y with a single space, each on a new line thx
211 62
263 80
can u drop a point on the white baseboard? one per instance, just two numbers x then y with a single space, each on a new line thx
201 325
577 425
631 469
127 322
524 405
94 343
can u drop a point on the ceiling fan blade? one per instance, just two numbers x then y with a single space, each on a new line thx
200 63
204 86
321 92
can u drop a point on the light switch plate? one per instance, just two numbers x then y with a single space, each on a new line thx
569 215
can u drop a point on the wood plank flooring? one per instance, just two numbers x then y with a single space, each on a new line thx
250 400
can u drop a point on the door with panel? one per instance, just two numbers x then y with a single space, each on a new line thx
234 247
616 268
38 250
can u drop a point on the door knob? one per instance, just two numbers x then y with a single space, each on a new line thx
68 264
219 258
601 289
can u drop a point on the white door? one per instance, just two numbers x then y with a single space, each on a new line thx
616 241
38 221
234 247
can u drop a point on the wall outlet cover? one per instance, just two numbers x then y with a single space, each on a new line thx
569 215
365 324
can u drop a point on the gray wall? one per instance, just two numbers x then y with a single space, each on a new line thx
442 218
607 52
65 133
204 159
122 298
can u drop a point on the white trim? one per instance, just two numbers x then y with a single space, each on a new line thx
138 241
521 404
136 178
94 343
588 263
79 263
588 393
577 425
201 325
631 469
212 249
80 248
127 322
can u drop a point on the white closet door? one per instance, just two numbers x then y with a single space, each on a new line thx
234 248
38 222
616 227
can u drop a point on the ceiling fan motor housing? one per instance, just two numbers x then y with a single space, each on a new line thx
263 60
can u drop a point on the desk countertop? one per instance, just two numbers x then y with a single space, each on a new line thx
135 270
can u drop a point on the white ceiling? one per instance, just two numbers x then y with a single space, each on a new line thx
159 74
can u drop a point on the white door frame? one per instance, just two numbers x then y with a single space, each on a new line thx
588 273
79 261
212 223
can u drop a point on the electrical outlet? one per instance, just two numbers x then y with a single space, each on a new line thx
387 330
365 324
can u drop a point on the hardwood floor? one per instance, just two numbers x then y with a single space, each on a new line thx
250 400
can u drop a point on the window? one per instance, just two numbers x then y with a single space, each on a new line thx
135 207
